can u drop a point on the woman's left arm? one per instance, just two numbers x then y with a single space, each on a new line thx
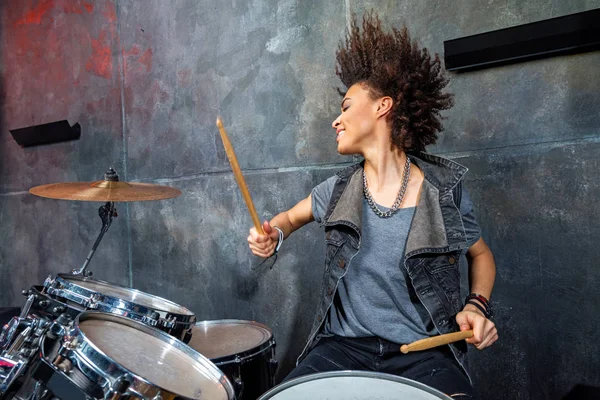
482 273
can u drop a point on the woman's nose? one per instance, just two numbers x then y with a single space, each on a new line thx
336 122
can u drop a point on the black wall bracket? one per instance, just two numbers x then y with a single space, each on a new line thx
52 132
575 33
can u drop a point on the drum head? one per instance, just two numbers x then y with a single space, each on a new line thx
154 357
127 294
353 385
225 338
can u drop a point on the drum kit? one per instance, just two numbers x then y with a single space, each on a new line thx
78 337
81 338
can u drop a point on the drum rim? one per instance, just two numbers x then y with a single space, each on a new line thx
233 320
351 374
243 355
66 278
87 358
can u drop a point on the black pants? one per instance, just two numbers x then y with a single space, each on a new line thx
436 367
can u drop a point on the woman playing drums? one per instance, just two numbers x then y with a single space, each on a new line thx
395 225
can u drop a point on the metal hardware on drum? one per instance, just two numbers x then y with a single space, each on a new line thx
127 358
106 212
23 335
84 293
358 385
54 306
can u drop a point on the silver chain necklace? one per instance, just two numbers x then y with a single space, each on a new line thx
396 206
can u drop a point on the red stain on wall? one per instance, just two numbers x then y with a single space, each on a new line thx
110 12
72 8
35 16
135 50
53 53
146 60
131 59
89 7
100 62
127 54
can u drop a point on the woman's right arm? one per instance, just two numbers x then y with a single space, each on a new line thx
288 221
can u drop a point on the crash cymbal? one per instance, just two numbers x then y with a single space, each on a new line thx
108 190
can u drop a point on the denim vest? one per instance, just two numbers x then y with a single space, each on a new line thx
434 244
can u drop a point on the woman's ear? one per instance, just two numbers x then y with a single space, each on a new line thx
384 106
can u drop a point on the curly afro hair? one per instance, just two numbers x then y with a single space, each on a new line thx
390 64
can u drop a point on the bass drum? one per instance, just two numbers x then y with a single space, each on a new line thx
86 293
355 385
243 350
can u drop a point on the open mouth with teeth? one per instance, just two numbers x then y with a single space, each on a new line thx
339 134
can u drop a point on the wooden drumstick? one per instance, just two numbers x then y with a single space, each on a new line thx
237 172
435 341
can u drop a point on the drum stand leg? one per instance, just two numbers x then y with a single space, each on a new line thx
238 382
38 392
107 212
273 364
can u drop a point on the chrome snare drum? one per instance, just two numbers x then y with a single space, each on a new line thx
243 350
353 385
107 356
92 294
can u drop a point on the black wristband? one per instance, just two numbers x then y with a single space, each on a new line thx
483 310
483 301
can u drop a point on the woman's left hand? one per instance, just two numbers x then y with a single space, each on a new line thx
484 330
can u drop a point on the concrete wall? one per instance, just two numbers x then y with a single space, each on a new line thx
146 79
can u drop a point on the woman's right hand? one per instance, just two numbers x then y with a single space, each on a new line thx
263 245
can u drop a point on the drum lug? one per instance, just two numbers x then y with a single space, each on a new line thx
92 302
168 322
119 388
187 336
70 342
151 319
49 281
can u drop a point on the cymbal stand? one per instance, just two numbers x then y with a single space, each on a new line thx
106 212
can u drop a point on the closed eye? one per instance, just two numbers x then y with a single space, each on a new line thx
343 105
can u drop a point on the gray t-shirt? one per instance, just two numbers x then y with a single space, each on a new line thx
375 298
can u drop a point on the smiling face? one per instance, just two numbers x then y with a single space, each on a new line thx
355 125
